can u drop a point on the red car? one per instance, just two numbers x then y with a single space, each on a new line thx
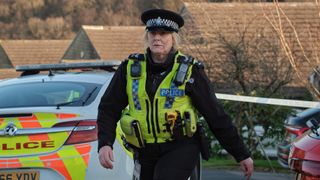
304 156
295 125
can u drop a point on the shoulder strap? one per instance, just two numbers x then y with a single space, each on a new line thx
136 56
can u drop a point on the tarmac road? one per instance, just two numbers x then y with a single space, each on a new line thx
217 174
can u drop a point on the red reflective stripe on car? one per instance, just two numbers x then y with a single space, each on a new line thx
33 122
38 137
66 116
13 163
83 148
84 151
3 163
1 120
33 117
54 161
29 122
86 159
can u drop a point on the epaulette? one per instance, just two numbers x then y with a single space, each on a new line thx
136 56
185 59
199 64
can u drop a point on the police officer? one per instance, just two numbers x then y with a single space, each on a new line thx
157 96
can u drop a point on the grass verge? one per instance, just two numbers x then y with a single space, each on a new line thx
229 163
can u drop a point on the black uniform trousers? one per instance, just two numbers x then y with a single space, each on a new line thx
168 161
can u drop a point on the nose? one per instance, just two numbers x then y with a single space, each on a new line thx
156 35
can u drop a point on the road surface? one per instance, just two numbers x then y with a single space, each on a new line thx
211 174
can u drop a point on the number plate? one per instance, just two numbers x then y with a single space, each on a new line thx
20 175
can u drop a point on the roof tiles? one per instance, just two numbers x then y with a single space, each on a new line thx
8 73
22 52
116 42
209 20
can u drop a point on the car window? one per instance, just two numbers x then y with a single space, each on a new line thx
309 112
47 94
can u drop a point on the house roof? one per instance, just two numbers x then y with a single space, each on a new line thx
213 19
209 20
228 17
21 52
116 42
8 73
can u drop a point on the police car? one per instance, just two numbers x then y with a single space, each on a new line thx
48 124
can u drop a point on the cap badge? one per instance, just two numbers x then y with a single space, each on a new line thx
158 21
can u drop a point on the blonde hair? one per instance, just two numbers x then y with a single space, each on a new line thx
175 36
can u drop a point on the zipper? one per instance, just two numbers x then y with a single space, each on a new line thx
147 117
157 117
153 125
154 84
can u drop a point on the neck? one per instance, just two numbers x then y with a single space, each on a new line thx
159 58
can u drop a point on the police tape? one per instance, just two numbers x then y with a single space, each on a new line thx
270 101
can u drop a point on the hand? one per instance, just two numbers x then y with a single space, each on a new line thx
106 157
247 167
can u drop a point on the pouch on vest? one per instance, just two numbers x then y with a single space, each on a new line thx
125 123
132 130
190 122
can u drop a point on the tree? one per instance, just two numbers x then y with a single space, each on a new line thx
51 28
246 60
18 16
305 37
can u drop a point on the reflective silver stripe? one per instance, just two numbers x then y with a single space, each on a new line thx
30 131
84 128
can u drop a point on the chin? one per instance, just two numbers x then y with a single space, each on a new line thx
157 51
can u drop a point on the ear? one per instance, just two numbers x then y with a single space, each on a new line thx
173 40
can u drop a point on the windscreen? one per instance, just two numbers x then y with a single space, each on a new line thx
48 94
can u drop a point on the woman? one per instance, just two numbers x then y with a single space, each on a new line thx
165 90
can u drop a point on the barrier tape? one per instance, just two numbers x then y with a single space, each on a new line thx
270 101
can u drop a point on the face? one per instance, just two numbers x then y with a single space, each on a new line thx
160 42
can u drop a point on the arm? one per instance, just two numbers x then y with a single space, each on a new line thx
219 122
112 103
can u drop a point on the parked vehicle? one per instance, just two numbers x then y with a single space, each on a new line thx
295 126
304 156
48 125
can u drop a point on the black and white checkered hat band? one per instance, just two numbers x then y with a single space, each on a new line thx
158 22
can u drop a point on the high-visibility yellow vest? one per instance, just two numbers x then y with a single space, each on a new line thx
150 116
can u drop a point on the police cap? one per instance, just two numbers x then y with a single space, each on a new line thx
161 20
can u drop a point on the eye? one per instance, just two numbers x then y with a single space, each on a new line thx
162 33
153 33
